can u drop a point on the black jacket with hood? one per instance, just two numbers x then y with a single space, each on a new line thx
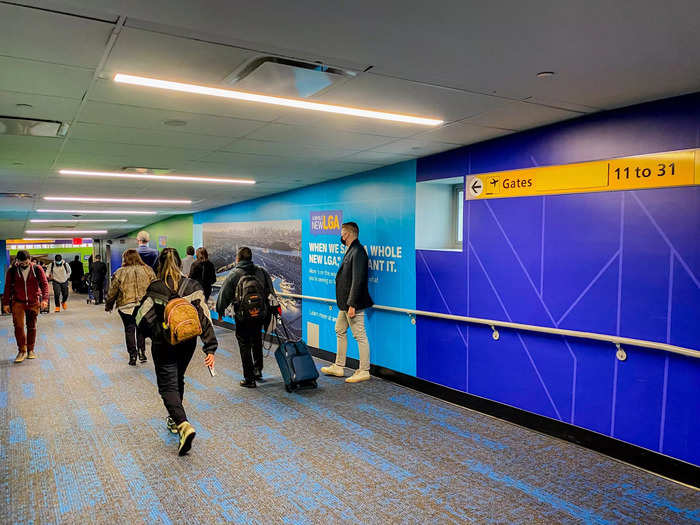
228 290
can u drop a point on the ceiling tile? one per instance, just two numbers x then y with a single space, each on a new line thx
144 137
51 37
395 95
378 157
11 145
43 107
463 132
41 78
418 147
127 154
285 149
157 55
137 117
521 116
318 137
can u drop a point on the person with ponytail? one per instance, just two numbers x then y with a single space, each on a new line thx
171 359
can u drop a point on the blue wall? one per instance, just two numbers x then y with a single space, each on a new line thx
382 202
623 263
4 262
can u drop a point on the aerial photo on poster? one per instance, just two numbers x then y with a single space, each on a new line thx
276 246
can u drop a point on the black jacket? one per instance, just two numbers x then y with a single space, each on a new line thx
205 274
150 314
99 272
76 271
351 287
228 290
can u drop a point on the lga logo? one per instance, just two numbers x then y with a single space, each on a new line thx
326 222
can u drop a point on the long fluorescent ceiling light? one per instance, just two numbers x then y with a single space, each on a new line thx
278 101
77 220
104 212
105 199
180 178
65 232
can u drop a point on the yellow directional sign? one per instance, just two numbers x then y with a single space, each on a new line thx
675 168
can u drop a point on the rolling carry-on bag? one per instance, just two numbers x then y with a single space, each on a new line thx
296 364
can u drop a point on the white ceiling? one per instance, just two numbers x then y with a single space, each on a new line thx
471 64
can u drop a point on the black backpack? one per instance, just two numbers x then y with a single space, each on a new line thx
250 300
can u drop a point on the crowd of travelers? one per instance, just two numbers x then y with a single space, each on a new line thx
164 298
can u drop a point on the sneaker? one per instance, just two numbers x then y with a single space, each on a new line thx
142 356
65 306
257 373
358 376
170 423
31 355
132 360
248 384
333 370
57 309
187 434
21 355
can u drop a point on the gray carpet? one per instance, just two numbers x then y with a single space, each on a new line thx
83 440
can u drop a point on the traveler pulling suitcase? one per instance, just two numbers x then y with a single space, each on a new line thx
296 364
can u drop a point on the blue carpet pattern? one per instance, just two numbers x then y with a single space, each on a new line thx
83 440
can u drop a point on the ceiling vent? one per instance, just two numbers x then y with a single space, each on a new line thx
16 196
283 77
32 127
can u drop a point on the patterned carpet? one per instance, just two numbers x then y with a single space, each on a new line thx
83 440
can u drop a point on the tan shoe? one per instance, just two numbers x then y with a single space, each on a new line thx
187 434
31 355
358 376
333 370
21 355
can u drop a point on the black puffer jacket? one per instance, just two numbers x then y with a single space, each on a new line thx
351 286
150 314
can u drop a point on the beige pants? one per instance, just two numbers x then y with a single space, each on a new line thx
357 327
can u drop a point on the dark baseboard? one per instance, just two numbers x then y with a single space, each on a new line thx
661 464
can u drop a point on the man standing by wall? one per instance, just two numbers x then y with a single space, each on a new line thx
99 275
148 254
352 297
248 287
76 273
59 274
26 290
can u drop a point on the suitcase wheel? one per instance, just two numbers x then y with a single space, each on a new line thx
288 388
314 384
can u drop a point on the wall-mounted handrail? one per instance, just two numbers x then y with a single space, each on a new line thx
616 340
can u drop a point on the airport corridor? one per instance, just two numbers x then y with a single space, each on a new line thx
83 440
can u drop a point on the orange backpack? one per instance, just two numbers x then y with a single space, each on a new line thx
182 319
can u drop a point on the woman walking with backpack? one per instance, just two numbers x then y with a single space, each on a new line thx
203 271
173 313
128 286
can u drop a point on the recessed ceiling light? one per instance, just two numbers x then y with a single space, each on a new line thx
25 106
106 199
179 178
544 74
104 212
64 232
175 122
77 220
278 101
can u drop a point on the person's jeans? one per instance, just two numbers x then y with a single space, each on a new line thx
357 327
171 363
98 290
134 339
20 311
250 344
60 292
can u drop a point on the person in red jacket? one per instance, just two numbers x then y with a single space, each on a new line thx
26 290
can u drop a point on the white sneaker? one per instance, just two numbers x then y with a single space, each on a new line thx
333 370
359 375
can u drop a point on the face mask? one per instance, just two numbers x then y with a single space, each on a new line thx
342 241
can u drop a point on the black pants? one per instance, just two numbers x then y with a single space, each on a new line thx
171 363
134 339
75 284
250 343
60 292
98 290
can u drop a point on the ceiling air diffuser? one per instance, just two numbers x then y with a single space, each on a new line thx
31 127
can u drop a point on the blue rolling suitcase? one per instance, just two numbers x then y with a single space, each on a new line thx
296 364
